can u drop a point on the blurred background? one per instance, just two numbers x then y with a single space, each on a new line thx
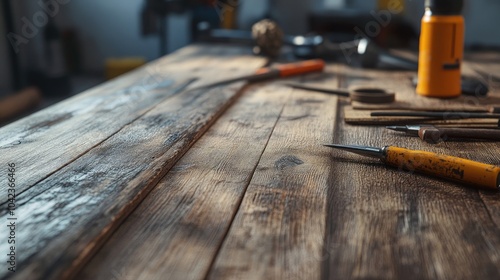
63 47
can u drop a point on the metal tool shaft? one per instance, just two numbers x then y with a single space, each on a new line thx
432 134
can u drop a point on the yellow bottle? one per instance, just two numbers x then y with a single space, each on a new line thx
441 49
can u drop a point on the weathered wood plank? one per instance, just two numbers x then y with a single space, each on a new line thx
308 212
65 218
390 224
83 201
488 65
176 231
62 133
278 233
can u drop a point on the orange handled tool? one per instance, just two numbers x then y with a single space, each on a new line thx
280 71
292 69
466 171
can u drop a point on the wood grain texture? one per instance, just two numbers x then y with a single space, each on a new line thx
60 134
74 210
177 230
414 227
65 218
391 224
278 232
487 64
257 197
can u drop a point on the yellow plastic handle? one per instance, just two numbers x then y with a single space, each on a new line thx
463 170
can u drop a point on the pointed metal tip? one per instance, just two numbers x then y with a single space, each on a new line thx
360 150
337 146
397 128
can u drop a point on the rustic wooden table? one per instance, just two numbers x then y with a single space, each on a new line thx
140 178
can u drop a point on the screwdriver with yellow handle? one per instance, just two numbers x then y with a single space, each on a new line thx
457 169
279 71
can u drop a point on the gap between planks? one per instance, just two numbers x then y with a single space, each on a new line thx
210 179
77 206
45 142
212 263
391 224
160 256
279 231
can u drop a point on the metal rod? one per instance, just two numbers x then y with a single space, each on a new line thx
438 115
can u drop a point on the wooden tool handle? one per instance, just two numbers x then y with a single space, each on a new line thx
434 135
18 103
458 169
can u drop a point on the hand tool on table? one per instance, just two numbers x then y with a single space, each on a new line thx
361 94
437 115
461 170
279 71
432 134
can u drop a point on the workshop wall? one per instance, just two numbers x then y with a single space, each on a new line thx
481 16
5 77
251 11
111 28
104 37
362 4
481 20
292 18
